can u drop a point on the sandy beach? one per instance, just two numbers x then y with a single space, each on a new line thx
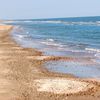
23 77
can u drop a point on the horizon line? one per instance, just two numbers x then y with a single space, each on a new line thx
49 18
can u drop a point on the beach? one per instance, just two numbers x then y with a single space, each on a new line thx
23 77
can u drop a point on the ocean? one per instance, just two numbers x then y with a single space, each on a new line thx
69 37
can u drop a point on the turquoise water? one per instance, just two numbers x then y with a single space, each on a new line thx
73 37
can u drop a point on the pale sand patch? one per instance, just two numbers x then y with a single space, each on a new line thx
46 58
4 71
38 57
4 57
62 86
5 27
1 51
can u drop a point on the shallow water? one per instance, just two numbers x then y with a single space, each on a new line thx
75 68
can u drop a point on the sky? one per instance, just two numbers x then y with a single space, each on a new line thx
34 9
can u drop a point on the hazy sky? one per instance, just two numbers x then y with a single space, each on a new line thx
19 9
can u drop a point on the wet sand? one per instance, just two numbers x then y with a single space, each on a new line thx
23 77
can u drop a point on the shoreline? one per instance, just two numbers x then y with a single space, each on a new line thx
22 67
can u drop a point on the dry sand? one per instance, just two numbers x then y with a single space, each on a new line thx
22 76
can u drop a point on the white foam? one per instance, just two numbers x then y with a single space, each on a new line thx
92 49
69 23
50 43
97 55
98 22
27 21
50 40
20 36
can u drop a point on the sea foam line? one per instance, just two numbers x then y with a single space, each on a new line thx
93 50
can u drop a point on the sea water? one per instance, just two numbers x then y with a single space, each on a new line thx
70 37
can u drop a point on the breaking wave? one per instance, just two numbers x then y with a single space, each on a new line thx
92 50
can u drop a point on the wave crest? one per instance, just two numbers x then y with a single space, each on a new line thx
93 50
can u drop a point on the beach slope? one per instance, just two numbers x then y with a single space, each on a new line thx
22 76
